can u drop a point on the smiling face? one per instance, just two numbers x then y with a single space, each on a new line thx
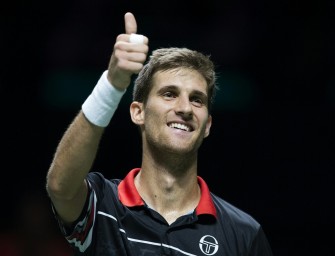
175 117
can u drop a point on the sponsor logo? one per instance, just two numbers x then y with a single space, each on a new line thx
208 245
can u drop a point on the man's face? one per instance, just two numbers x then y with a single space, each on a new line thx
175 117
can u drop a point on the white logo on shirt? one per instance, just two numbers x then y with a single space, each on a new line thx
208 245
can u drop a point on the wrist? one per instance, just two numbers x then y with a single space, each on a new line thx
101 104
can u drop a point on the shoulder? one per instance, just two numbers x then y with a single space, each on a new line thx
242 225
100 184
99 179
229 212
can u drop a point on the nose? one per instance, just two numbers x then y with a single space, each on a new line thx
184 106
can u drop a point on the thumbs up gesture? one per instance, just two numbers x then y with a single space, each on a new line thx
129 54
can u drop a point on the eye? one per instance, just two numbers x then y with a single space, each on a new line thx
197 101
169 94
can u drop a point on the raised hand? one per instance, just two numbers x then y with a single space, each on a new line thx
127 57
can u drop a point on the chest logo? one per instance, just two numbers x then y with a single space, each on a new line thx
208 245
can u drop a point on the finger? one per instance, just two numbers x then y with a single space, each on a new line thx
130 23
136 39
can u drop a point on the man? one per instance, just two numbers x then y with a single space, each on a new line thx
163 207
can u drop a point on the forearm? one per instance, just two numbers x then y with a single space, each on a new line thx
73 158
77 150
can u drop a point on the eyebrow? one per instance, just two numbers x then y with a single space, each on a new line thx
174 88
200 94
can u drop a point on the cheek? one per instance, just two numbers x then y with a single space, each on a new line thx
153 118
156 110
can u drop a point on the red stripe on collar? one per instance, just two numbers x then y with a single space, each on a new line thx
206 204
130 197
128 193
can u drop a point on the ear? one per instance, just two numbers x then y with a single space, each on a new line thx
137 113
208 125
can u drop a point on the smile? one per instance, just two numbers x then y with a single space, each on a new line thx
180 127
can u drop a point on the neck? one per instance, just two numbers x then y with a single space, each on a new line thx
172 193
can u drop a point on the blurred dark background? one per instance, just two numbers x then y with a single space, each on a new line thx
271 148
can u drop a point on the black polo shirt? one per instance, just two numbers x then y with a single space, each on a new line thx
116 222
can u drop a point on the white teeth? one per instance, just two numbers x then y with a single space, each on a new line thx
180 126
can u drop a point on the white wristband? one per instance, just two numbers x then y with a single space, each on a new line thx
100 106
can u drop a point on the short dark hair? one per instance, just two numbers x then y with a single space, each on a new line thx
164 59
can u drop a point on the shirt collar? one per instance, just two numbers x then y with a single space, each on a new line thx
130 197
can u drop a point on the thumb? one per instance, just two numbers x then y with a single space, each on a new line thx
130 23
